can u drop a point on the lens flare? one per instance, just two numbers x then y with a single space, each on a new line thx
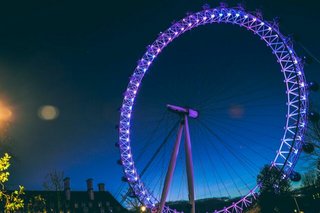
236 111
48 112
5 113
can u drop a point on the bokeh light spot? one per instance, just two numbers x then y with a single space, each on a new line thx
236 111
48 112
5 113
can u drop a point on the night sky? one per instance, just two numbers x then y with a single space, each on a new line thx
78 56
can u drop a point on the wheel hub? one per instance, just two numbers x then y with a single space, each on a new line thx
192 113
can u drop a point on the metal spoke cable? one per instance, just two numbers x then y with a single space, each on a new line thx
149 178
200 162
150 137
247 121
309 52
235 139
259 115
250 117
226 89
226 112
232 168
182 181
231 134
158 149
155 163
163 174
261 134
158 181
264 104
227 118
203 100
226 145
225 126
204 172
220 91
244 112
214 170
246 93
214 105
120 189
217 175
211 161
227 164
226 167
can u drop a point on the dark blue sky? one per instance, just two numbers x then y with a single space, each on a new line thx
78 56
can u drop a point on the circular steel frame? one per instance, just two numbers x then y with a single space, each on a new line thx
294 79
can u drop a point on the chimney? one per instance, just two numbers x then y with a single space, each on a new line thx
66 183
90 188
101 187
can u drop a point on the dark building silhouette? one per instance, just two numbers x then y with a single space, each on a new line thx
65 201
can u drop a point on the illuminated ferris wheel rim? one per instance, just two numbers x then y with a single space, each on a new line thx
291 67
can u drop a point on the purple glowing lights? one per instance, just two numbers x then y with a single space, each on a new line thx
291 67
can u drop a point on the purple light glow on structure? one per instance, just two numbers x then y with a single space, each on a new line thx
294 79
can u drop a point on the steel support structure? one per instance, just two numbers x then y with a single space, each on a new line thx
184 125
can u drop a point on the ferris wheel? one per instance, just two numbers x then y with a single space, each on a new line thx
286 152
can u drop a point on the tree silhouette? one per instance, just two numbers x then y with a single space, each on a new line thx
309 179
312 149
54 182
318 174
10 201
274 190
